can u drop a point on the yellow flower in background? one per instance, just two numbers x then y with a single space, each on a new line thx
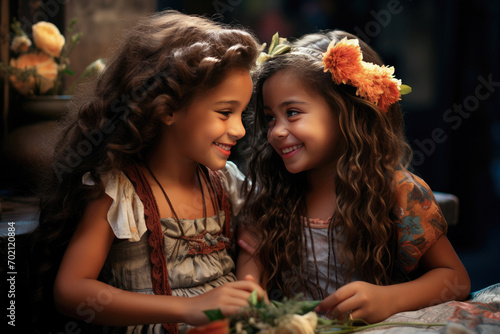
44 73
48 38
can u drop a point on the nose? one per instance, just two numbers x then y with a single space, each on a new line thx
279 130
236 128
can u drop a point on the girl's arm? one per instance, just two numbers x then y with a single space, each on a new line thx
78 293
445 279
247 263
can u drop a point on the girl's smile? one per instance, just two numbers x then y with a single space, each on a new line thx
224 148
288 152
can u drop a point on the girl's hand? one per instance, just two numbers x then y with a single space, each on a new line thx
372 303
246 246
229 298
247 241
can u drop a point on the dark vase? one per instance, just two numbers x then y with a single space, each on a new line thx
46 107
27 146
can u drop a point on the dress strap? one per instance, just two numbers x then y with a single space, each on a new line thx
159 273
223 201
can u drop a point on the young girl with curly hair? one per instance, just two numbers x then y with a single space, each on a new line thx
135 229
332 210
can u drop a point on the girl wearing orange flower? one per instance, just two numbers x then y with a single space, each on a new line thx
332 210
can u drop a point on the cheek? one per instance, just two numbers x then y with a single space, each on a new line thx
215 129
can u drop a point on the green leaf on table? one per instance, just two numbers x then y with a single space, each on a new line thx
254 298
276 303
307 306
215 314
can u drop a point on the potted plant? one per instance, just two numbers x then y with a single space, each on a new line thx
36 68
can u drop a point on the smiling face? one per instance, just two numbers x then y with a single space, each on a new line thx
303 129
207 129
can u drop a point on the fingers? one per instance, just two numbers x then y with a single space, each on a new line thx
236 298
341 303
336 298
246 246
236 295
249 278
342 310
249 284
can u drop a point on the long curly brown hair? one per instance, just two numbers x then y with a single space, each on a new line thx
159 66
373 146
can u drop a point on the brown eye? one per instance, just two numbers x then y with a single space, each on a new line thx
269 119
292 112
225 113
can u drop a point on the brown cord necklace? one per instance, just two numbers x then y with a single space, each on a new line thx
170 203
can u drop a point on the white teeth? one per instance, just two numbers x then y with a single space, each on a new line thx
224 147
290 149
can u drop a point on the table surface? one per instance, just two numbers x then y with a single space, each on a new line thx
22 212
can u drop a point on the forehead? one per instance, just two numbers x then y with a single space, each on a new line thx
233 82
285 84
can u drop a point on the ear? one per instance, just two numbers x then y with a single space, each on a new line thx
169 118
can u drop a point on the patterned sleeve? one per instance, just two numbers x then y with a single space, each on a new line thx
420 222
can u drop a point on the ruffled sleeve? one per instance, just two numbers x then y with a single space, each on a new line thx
126 214
232 178
420 222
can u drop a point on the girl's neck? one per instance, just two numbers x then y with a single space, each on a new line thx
177 177
321 180
321 195
169 168
170 172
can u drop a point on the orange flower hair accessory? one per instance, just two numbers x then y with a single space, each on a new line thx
374 83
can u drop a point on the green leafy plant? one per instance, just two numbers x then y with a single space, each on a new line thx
292 316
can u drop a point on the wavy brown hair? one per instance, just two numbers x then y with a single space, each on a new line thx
373 148
159 66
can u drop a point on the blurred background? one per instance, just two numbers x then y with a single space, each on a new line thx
447 51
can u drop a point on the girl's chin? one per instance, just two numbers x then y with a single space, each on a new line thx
293 169
216 165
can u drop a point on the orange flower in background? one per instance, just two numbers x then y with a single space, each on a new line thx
48 38
45 72
374 83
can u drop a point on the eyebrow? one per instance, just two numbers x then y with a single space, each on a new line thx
286 103
234 102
